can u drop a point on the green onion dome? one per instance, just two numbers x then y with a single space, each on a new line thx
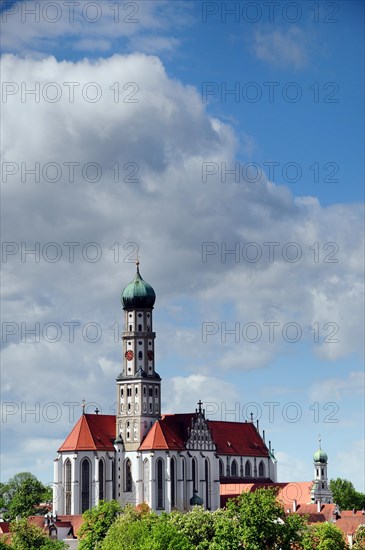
138 293
320 456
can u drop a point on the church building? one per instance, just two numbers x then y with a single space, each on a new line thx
169 461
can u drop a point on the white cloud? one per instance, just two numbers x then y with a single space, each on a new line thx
33 27
280 48
181 394
335 389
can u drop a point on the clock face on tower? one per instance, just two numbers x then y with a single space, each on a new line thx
150 354
129 355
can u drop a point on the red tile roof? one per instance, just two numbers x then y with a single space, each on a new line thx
287 492
76 521
349 524
93 432
231 438
237 438
62 521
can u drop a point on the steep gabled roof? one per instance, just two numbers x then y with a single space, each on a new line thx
161 437
231 438
237 438
93 432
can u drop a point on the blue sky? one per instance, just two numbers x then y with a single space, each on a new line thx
299 179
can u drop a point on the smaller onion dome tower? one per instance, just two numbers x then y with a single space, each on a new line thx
320 491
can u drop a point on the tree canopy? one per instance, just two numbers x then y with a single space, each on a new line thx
30 537
345 495
21 494
254 521
96 523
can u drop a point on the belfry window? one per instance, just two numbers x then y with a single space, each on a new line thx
139 328
140 355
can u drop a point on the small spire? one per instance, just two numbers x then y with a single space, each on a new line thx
97 410
137 263
83 406
200 405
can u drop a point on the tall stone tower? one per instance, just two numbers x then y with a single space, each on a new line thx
320 490
138 385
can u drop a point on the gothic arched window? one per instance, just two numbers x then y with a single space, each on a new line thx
207 484
146 480
101 479
68 494
173 482
261 469
85 485
112 466
234 468
160 475
194 474
248 469
221 468
127 476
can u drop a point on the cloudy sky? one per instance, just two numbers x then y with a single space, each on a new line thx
222 143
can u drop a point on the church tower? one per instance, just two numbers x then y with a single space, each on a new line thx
320 490
138 385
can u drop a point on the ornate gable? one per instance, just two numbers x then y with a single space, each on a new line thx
200 438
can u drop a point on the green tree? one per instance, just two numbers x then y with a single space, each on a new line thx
30 537
324 536
360 538
197 526
96 524
131 530
257 521
345 495
164 535
21 494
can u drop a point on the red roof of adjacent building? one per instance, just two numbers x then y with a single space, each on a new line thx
231 438
349 524
66 521
93 432
299 491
